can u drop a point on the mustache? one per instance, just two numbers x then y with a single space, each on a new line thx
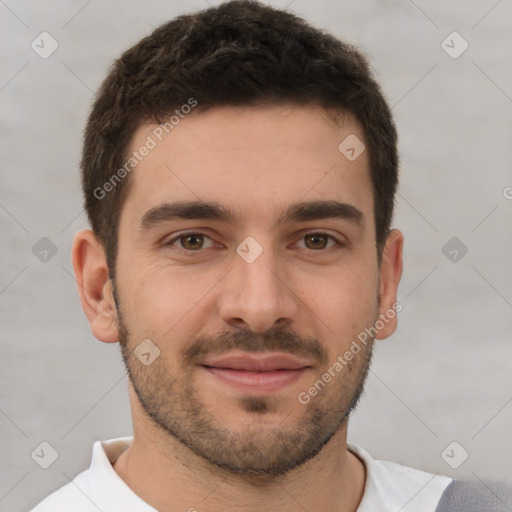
274 339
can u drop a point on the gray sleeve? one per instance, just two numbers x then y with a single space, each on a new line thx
462 496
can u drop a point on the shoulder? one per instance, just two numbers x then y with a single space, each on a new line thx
71 497
97 488
463 496
390 486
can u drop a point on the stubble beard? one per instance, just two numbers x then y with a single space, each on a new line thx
262 448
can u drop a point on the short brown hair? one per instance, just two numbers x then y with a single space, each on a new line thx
239 53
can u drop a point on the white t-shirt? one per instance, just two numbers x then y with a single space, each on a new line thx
389 486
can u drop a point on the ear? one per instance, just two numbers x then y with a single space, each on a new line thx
390 274
95 286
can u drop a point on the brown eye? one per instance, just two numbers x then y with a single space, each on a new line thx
192 242
316 241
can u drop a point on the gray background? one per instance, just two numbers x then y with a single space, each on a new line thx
443 377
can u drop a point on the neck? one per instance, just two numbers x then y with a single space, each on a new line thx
169 477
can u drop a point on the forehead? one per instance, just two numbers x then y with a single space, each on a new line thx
253 160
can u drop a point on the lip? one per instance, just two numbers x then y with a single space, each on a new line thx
257 362
257 373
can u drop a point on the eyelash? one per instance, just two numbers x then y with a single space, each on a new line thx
190 252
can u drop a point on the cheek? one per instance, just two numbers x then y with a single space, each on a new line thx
166 298
343 301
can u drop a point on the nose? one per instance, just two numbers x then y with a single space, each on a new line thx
257 295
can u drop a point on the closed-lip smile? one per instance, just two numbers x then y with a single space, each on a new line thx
262 372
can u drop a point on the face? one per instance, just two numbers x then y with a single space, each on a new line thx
247 257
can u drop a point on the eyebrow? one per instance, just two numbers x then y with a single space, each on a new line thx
196 210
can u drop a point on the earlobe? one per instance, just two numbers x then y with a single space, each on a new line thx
95 286
390 275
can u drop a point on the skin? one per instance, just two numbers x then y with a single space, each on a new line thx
256 161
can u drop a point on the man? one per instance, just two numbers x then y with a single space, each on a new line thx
239 171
